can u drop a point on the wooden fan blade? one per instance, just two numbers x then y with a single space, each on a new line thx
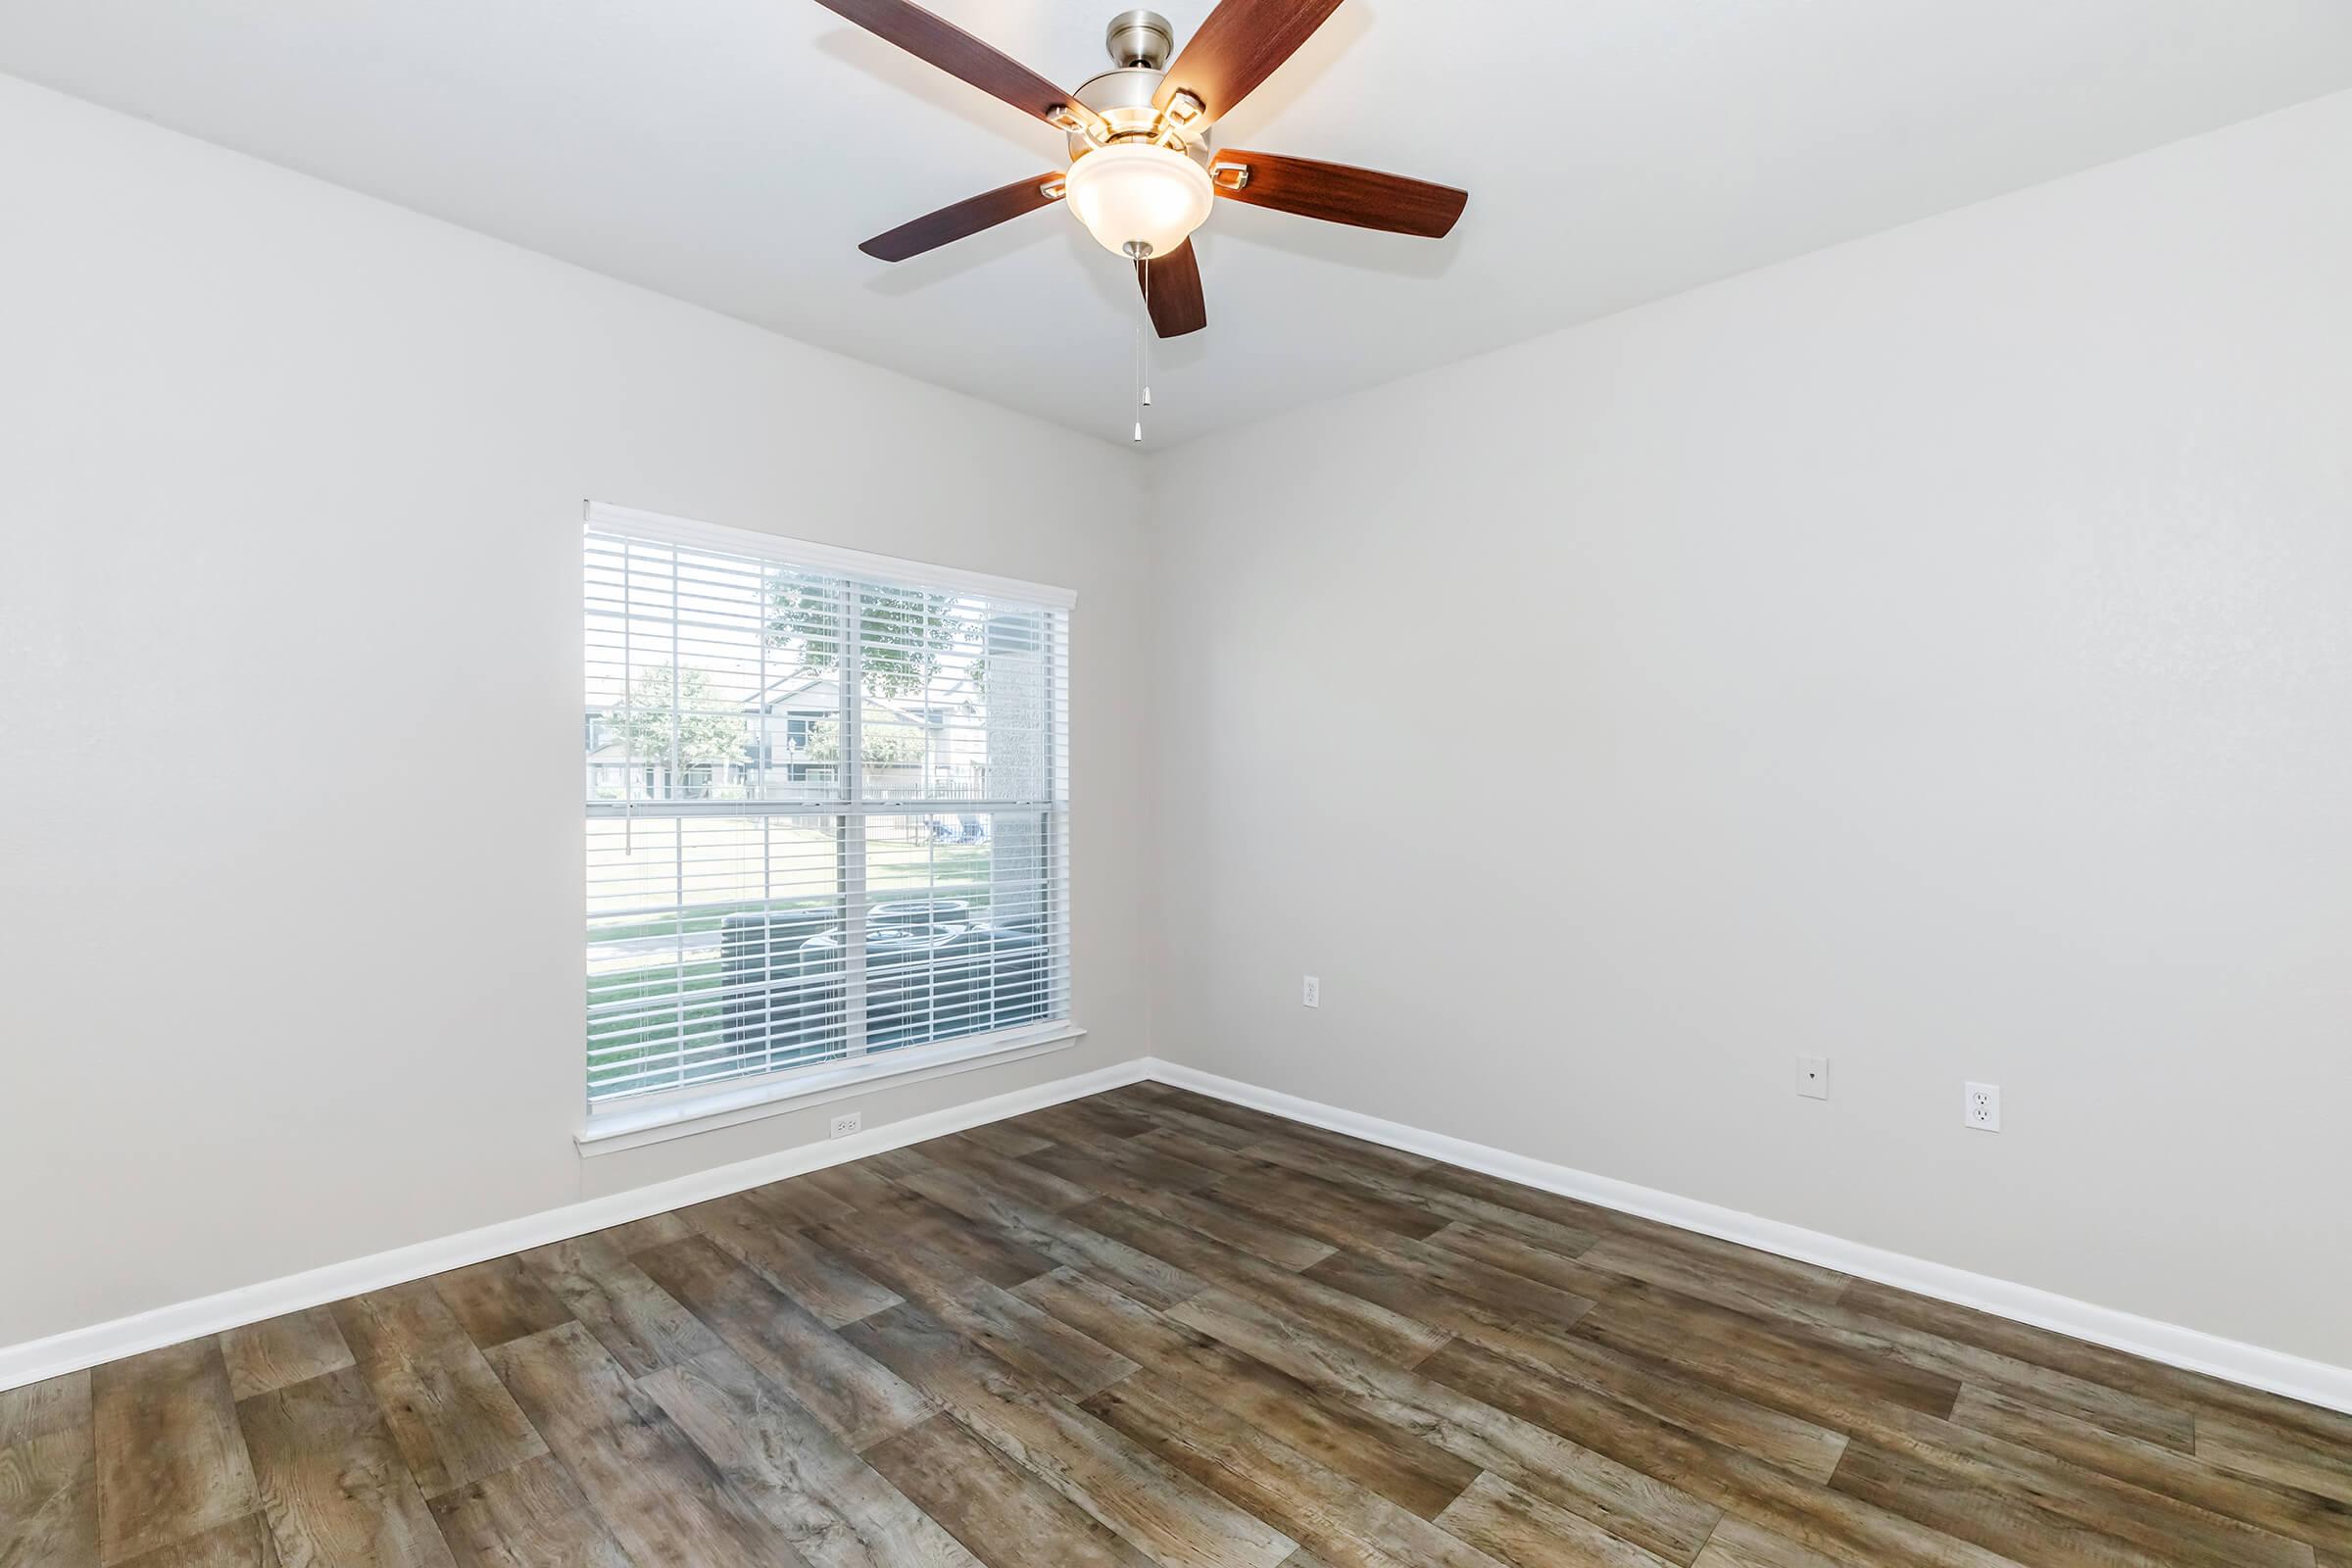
1339 194
1238 47
955 51
966 218
1173 291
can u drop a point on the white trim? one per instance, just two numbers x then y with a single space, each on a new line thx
2191 1349
76 1349
2232 1361
889 570
635 1123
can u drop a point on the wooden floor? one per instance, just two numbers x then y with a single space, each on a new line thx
1151 1328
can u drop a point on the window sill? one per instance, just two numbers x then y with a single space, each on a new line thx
633 1126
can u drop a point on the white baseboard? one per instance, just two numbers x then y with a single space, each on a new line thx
2191 1349
76 1349
2273 1371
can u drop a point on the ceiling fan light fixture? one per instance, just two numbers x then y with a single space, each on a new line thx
1139 198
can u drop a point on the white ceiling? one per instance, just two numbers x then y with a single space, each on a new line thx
733 152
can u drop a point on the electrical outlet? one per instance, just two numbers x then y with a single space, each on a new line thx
1311 995
843 1126
1981 1109
1813 1077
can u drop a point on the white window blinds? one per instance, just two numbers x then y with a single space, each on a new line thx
827 805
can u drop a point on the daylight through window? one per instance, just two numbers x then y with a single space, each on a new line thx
827 811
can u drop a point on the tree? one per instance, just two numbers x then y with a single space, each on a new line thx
661 697
906 636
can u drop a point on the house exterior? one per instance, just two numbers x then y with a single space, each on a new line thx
791 743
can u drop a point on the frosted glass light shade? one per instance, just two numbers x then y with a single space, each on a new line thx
1137 193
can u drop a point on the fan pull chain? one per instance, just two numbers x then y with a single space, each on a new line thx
1143 268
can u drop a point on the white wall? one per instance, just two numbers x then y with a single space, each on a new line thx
1935 652
290 868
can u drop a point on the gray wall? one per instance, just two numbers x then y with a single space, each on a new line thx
1934 653
290 966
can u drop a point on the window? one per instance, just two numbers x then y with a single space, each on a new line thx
827 811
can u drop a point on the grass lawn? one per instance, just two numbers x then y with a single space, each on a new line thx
895 869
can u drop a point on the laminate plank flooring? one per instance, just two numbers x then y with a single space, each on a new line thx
171 1462
452 1418
333 1485
1152 1330
531 1516
263 1358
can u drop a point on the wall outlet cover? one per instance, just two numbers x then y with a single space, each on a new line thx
843 1126
1312 994
1813 1077
1981 1108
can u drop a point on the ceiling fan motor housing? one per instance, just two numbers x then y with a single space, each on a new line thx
1123 98
1141 43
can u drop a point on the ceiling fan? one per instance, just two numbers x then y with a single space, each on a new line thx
1143 174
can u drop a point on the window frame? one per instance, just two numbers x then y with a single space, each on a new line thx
632 1121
